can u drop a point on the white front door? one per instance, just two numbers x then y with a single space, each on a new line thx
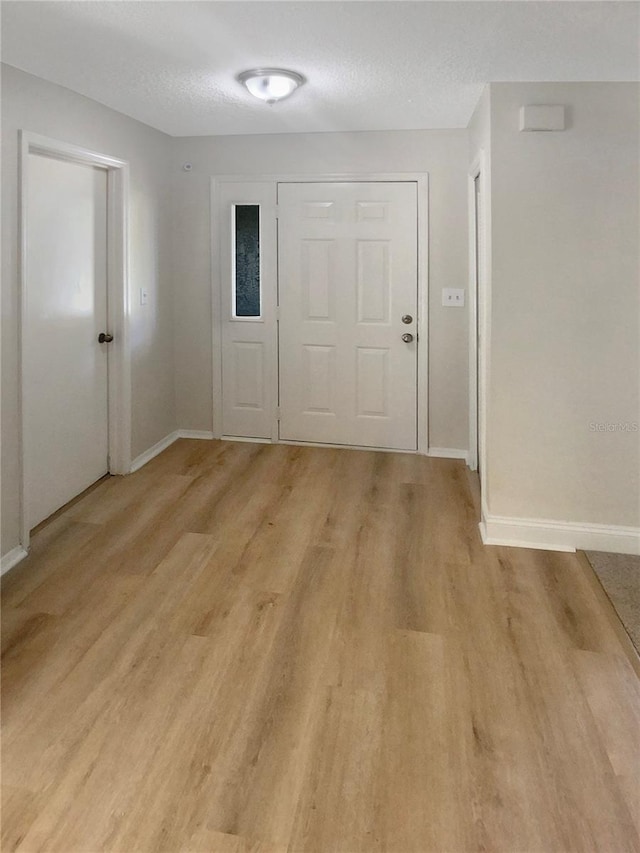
65 309
348 283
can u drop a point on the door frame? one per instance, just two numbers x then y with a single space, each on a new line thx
479 293
118 303
421 179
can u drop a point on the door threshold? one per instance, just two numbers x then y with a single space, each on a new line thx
248 438
345 446
327 444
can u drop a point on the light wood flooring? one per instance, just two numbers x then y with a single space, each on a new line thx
271 648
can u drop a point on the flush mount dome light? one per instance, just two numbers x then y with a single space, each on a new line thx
271 84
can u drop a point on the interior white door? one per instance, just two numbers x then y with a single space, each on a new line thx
247 255
65 308
347 277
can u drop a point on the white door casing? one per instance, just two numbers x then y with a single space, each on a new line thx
474 201
348 273
479 316
65 368
248 344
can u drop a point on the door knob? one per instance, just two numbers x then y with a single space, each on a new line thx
407 337
406 319
105 338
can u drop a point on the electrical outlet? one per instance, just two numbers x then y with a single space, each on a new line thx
453 296
144 296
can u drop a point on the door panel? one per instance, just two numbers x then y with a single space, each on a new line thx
318 279
320 369
248 375
249 362
374 290
347 274
372 382
65 368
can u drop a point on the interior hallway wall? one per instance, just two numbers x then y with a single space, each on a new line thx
29 103
564 401
443 154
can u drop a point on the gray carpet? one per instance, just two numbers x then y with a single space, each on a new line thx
619 574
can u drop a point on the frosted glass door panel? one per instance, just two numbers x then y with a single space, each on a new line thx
246 269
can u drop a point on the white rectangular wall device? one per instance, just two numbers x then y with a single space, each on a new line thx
540 117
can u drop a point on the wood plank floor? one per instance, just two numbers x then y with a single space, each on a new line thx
270 648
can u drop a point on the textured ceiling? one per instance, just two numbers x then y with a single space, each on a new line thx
370 65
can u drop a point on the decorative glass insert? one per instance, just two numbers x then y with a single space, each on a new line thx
246 258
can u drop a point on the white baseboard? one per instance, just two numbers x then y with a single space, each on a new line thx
195 433
152 452
167 441
559 536
12 558
449 453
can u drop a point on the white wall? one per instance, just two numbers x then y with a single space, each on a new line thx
480 126
565 310
31 104
443 154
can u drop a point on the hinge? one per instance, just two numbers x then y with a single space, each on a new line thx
277 313
278 413
277 211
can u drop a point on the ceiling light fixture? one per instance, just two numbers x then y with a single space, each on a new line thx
271 84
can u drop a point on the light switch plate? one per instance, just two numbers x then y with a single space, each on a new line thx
453 296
